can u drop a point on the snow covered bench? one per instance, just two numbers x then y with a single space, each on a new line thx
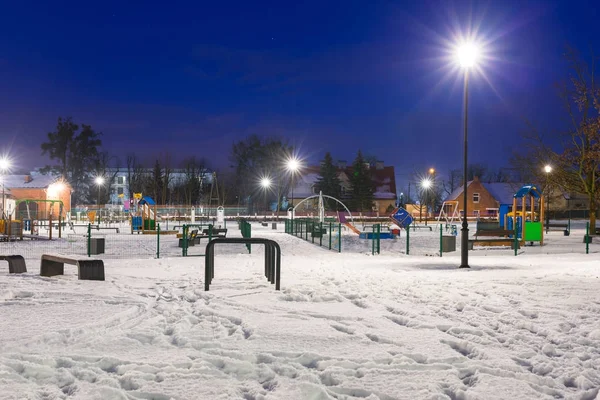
87 268
16 264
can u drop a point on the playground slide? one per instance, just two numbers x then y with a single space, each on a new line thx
352 228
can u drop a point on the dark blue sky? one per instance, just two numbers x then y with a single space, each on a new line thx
191 78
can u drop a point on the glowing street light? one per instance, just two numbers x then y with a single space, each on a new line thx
5 165
293 165
266 184
467 56
99 182
548 169
426 184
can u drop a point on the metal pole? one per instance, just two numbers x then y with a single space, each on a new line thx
407 239
441 240
89 240
158 241
587 238
464 235
547 204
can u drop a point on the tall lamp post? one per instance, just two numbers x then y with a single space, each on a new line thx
293 165
547 169
466 56
99 182
426 185
4 167
266 184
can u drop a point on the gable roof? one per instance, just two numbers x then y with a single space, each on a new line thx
502 192
38 181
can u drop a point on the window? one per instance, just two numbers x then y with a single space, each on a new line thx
121 180
120 190
475 197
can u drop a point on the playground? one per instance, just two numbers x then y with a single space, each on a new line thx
344 325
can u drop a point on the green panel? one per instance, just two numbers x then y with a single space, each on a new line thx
533 231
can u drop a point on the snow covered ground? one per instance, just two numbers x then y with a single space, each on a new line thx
344 326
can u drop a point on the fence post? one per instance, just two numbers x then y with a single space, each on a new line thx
373 240
516 244
320 234
378 238
330 234
158 240
408 240
184 241
441 239
89 240
587 238
339 238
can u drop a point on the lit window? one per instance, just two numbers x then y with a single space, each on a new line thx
475 197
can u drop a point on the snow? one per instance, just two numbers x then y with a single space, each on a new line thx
344 326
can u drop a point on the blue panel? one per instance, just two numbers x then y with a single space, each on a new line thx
532 190
401 217
147 200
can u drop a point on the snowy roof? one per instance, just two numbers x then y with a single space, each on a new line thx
502 192
37 181
456 192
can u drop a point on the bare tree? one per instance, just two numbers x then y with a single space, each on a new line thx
576 164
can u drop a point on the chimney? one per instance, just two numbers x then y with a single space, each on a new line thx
378 164
28 178
342 164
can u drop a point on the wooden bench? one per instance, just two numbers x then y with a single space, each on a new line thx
493 232
191 239
16 264
493 242
87 268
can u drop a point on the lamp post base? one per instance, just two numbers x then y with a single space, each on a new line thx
464 246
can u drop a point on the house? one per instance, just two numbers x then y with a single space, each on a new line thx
484 200
383 178
42 192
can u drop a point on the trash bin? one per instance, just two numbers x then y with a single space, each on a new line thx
274 225
448 243
97 246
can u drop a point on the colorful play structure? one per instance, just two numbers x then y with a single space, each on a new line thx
528 215
144 217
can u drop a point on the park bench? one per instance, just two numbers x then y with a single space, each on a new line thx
216 233
493 237
16 264
191 239
87 268
493 232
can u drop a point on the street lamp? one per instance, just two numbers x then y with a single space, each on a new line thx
467 55
547 169
99 182
266 184
425 185
4 167
293 165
